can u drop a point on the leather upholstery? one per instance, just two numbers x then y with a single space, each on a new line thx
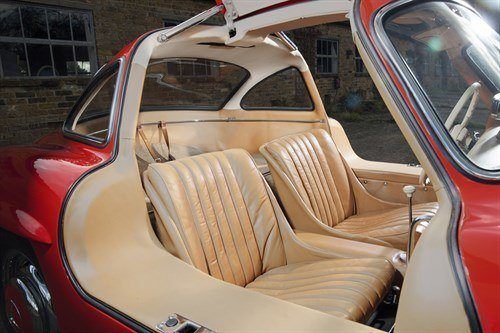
390 226
346 288
221 218
312 169
315 167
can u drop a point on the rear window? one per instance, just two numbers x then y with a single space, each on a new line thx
190 84
284 90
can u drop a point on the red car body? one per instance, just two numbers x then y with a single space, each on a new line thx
36 181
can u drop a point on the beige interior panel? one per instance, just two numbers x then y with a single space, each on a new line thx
111 246
393 191
215 136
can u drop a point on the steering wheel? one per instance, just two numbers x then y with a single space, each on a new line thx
459 132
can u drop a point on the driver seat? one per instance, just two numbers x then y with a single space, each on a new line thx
222 218
321 194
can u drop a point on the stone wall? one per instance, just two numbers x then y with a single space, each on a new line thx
354 89
33 107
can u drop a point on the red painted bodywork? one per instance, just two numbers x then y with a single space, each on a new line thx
36 179
34 182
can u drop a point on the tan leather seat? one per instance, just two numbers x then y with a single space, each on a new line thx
221 218
313 179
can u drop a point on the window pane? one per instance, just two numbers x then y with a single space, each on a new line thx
10 22
59 24
200 68
446 40
34 22
94 120
13 59
284 90
173 68
81 26
187 68
63 60
40 60
164 89
82 60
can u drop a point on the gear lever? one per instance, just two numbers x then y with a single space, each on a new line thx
409 191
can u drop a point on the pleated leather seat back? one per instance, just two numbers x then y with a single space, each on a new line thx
315 168
218 214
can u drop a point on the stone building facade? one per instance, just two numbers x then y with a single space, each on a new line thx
35 98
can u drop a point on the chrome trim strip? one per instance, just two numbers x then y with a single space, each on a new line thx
421 99
234 120
115 104
287 41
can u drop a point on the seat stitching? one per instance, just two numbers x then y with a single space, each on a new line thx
179 230
283 291
224 253
301 175
309 160
305 176
325 194
238 213
294 175
173 166
374 276
341 213
220 222
310 174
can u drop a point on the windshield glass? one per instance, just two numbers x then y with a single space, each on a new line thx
454 56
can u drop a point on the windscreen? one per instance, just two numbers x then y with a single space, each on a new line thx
454 57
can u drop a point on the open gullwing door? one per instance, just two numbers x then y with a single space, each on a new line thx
251 21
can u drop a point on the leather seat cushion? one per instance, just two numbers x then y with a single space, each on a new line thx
346 288
390 226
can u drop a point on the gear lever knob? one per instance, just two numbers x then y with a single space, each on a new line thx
409 190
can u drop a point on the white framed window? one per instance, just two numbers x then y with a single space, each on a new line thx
38 40
358 63
327 56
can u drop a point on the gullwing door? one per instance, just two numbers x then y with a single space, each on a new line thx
249 21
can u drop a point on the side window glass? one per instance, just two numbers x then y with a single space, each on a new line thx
190 84
284 90
91 115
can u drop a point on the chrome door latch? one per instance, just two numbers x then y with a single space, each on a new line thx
178 324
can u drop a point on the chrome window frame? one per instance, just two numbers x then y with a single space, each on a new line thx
457 156
76 112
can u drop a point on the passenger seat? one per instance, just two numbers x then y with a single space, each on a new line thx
222 218
313 180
